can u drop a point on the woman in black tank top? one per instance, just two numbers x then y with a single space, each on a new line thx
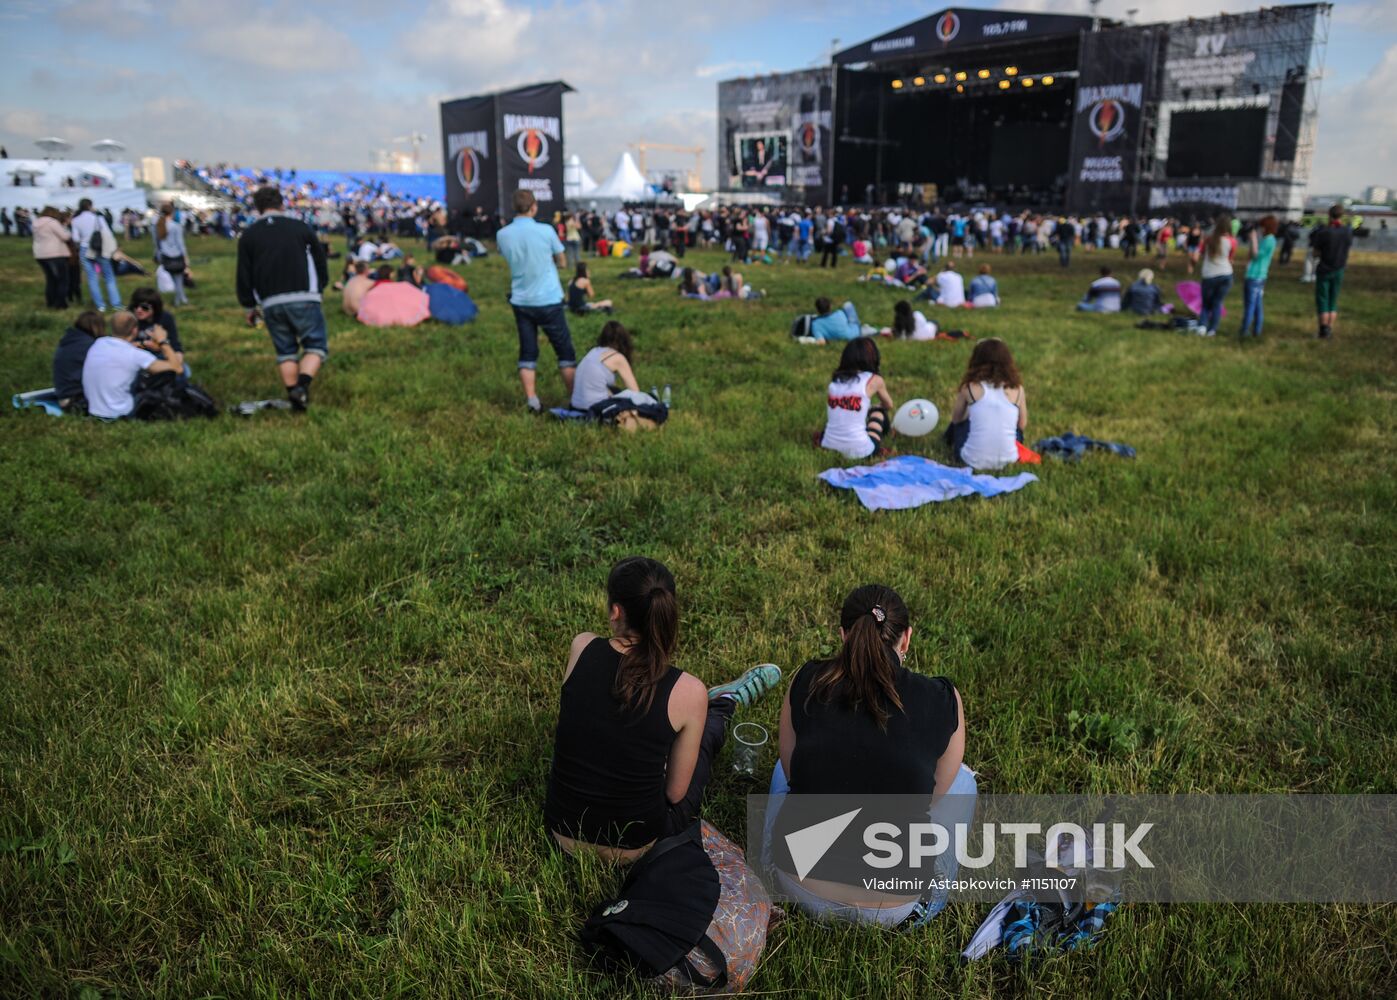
636 736
862 723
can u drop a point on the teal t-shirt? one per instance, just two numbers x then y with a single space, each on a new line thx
1260 265
529 246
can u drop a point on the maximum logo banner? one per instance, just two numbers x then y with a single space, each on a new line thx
1108 119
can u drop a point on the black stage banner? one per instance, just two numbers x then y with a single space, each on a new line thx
470 157
959 28
1117 70
531 144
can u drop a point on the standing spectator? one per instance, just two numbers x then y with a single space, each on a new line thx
1263 246
170 250
1216 273
281 270
96 244
572 239
51 250
1330 245
1065 235
534 254
835 234
5 222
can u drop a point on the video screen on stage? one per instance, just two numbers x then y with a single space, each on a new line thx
761 159
1226 143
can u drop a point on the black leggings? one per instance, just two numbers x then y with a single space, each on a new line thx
682 814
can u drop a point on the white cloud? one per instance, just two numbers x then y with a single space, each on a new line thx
1357 143
728 69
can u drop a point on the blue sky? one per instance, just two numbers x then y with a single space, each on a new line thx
323 84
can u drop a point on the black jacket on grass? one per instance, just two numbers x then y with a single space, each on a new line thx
280 260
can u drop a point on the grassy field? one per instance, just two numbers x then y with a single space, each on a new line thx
278 693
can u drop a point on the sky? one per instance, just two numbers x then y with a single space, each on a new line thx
317 84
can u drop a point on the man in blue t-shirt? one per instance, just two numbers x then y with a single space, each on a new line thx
535 253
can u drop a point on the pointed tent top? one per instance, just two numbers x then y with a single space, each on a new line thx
577 182
626 182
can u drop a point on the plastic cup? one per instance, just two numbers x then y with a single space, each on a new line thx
749 740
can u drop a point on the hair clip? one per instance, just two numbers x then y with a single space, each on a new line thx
879 615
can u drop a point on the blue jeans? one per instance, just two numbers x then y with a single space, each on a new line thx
294 325
957 808
1214 291
1253 291
528 320
1064 252
101 266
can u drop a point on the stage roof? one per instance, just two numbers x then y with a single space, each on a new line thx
961 28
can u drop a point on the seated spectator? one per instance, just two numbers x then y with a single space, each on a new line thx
835 324
637 737
910 272
732 286
407 268
68 358
854 427
112 364
990 410
388 250
662 264
950 287
600 367
1143 297
580 292
1104 295
692 284
984 290
862 723
365 250
152 318
909 325
356 288
384 273
862 251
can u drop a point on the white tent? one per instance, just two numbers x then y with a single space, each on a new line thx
577 182
626 182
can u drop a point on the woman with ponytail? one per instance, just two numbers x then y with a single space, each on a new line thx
862 723
636 735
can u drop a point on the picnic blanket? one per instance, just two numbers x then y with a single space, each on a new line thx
1073 446
567 413
910 481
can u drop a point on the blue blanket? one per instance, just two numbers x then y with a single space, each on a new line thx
1073 446
910 481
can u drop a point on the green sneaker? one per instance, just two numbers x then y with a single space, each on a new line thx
748 688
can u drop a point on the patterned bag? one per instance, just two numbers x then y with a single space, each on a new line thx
739 921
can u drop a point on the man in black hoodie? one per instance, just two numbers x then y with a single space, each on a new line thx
281 271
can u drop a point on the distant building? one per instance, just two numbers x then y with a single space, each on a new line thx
152 171
1377 195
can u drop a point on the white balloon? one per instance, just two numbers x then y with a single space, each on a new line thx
916 417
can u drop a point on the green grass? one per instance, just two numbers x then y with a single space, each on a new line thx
278 693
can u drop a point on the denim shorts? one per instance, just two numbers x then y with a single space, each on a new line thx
297 327
554 323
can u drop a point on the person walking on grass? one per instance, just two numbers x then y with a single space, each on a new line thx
281 271
1330 246
637 737
534 254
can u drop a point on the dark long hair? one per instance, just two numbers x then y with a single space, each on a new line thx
167 212
644 590
903 323
991 362
859 356
863 672
615 336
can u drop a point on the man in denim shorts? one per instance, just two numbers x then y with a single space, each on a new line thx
535 253
281 271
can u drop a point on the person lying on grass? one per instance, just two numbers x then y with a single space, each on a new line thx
909 324
692 284
600 368
835 324
854 427
862 723
990 411
637 737
580 292
733 286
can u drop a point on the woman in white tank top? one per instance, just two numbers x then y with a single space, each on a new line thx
990 411
854 427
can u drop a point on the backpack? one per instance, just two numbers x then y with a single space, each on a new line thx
165 396
841 232
691 917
